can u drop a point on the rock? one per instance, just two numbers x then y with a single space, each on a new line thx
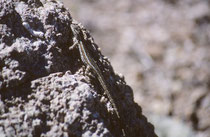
162 49
43 90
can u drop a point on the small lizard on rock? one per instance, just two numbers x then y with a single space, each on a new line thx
91 65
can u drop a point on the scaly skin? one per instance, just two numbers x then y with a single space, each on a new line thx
89 62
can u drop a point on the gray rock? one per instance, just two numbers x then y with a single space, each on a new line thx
43 90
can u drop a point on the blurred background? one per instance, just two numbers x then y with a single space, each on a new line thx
162 47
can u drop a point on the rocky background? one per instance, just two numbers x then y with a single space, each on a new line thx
163 49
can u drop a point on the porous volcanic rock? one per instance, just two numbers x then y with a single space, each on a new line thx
43 88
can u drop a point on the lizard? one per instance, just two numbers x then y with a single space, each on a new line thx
91 65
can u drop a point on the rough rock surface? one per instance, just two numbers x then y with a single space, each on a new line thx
163 49
43 90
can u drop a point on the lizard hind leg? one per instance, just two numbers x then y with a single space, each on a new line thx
88 72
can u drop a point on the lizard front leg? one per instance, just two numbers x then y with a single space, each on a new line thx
74 44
